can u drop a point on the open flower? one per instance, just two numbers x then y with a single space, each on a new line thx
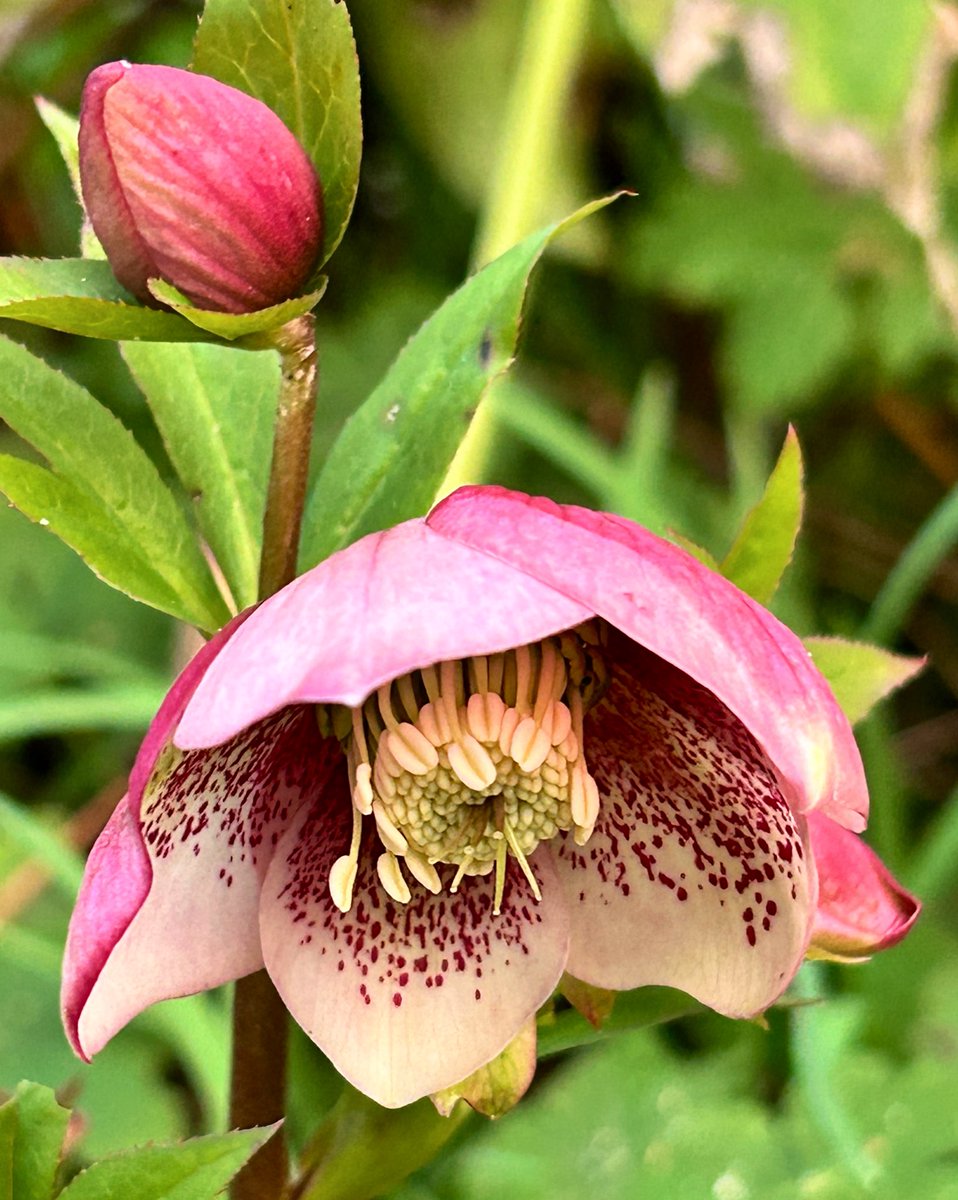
461 757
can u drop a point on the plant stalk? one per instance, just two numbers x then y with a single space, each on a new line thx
258 1081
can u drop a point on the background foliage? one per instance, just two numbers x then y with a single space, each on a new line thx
790 255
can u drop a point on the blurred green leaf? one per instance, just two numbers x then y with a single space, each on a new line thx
632 1010
128 707
31 656
299 57
763 546
232 326
860 674
214 407
80 295
39 841
195 1170
393 453
65 130
106 499
38 1126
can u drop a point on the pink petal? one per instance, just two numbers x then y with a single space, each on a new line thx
405 999
209 825
115 884
118 871
666 600
391 603
861 906
696 876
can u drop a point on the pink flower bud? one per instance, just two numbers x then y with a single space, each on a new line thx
191 181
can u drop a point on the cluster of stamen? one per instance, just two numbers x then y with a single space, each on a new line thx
471 762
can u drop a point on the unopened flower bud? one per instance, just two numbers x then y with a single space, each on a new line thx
191 181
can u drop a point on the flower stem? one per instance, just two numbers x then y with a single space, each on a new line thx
533 126
296 342
258 1083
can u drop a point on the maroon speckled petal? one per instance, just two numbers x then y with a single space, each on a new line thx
861 906
210 822
697 875
405 999
664 599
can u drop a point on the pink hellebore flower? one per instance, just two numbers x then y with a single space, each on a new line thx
191 181
461 757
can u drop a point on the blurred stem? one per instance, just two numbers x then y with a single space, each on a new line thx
551 43
258 1083
908 578
933 866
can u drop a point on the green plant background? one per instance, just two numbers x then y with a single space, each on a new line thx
790 255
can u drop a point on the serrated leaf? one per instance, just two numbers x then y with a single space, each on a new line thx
214 407
394 451
103 494
65 130
232 326
704 556
764 545
32 1128
80 295
860 674
299 57
195 1170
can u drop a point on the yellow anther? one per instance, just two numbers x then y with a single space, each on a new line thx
342 880
484 713
391 877
472 764
423 871
529 745
560 723
363 789
389 835
411 749
434 724
510 720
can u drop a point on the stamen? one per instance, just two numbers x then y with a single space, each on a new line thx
522 860
412 749
523 656
384 696
463 868
529 745
389 835
423 871
502 856
342 874
391 877
408 697
363 789
472 764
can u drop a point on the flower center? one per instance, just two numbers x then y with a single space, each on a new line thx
471 762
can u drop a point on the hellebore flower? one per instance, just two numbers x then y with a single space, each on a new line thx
461 757
191 181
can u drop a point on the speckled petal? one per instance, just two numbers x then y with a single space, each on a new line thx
209 822
697 876
405 999
388 604
861 906
664 599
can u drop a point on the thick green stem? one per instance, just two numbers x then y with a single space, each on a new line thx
258 1084
534 122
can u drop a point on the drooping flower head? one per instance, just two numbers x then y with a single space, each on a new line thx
461 757
196 183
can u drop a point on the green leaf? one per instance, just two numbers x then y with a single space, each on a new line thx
39 841
763 546
80 295
299 57
195 1170
106 498
237 325
633 1010
394 451
32 1128
65 131
859 674
214 407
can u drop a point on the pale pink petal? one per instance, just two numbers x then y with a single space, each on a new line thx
861 906
388 604
405 999
115 884
210 821
696 876
666 600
